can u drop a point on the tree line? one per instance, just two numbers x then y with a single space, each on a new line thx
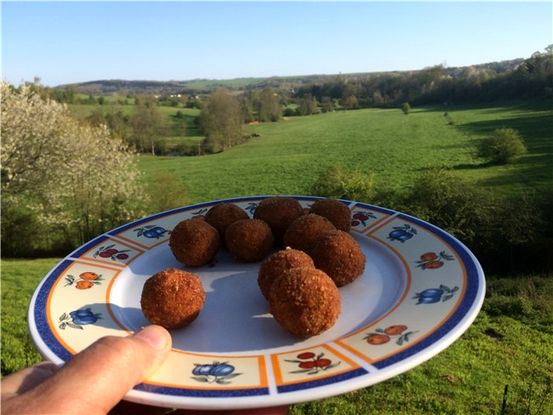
532 78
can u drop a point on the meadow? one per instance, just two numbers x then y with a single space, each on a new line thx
510 341
288 156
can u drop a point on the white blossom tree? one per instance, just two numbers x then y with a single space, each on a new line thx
72 176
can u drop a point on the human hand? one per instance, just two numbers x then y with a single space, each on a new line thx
95 380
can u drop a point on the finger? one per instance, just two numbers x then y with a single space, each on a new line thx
26 379
105 372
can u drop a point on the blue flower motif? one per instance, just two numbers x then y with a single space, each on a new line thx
435 295
78 318
218 372
151 231
402 233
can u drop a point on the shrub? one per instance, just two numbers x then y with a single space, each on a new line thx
504 146
341 183
289 112
455 205
161 148
18 230
405 107
502 305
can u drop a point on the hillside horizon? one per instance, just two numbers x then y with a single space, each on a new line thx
110 86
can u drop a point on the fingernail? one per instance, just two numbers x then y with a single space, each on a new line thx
155 336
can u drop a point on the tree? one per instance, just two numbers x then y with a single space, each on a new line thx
221 121
247 100
405 107
327 105
269 108
349 97
147 124
504 146
350 102
308 105
71 178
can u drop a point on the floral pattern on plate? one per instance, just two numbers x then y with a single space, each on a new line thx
83 281
363 219
317 363
78 318
112 252
221 373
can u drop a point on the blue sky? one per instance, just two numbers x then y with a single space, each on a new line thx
75 42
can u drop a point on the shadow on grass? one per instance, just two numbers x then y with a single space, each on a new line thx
474 166
536 166
492 107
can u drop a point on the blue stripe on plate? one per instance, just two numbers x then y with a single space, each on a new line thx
467 301
321 382
41 320
201 393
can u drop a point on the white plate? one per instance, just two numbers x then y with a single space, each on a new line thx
421 289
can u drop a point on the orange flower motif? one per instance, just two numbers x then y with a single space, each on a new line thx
83 285
89 276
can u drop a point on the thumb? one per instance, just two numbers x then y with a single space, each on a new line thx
100 376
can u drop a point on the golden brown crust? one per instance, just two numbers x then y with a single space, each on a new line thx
278 213
274 267
194 242
172 298
305 301
249 240
340 256
305 231
335 211
222 215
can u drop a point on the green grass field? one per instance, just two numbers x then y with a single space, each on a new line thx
509 343
288 155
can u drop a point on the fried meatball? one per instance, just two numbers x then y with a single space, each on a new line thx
305 231
304 301
279 213
279 262
340 256
335 211
172 298
222 215
249 240
194 242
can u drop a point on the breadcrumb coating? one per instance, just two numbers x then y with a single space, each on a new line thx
335 211
172 298
194 242
274 266
340 256
305 301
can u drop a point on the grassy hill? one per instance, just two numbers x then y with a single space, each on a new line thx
288 155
